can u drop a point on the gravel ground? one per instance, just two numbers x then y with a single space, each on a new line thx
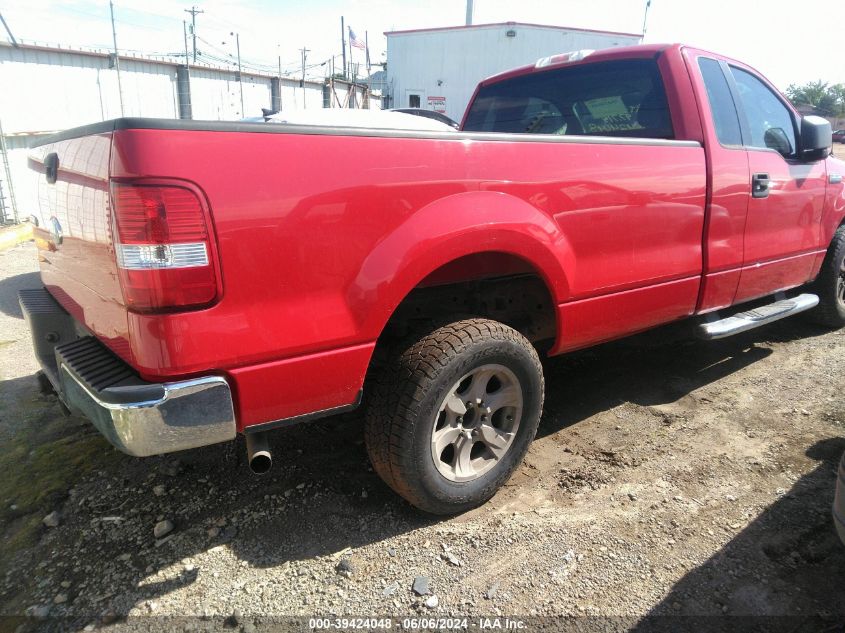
669 477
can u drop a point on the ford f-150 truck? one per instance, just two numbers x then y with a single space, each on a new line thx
204 279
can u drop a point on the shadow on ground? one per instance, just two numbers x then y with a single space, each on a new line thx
653 368
9 292
784 572
322 497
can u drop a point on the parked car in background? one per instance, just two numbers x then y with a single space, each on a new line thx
203 279
839 136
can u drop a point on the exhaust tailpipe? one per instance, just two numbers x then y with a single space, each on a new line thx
258 453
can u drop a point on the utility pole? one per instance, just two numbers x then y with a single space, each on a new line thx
331 83
367 50
645 19
240 75
469 13
305 52
193 11
183 80
185 35
116 56
9 31
343 44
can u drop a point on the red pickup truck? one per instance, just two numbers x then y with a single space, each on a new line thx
203 279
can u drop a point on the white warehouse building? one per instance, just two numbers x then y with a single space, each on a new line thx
439 68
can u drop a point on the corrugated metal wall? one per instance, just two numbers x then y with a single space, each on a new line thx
449 63
46 89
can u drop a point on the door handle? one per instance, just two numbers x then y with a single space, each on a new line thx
760 185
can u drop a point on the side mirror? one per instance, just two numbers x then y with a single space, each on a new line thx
816 138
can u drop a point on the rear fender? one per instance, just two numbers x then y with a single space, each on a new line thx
447 229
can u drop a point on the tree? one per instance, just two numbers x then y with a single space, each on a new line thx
829 100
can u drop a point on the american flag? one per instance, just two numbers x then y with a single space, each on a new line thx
354 41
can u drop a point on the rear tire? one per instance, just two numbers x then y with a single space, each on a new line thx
453 412
830 284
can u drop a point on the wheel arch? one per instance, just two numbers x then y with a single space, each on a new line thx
483 225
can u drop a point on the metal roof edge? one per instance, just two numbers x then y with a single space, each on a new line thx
499 24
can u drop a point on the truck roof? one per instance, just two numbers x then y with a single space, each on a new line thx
572 57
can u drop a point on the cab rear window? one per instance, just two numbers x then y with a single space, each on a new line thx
620 98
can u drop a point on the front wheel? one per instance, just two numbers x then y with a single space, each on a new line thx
830 284
453 413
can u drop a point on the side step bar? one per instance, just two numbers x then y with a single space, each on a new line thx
751 319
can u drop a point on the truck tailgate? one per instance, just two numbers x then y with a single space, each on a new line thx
73 235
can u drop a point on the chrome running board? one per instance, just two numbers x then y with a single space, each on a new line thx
751 319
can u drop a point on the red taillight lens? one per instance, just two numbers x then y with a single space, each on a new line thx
163 247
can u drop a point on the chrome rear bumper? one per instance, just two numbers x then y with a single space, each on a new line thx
138 417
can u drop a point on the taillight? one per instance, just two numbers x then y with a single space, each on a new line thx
163 247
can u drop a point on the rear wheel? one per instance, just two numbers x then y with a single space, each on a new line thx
830 284
453 413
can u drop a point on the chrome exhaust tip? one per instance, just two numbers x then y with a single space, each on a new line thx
258 453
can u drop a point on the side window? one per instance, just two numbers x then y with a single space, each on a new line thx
769 119
618 98
721 102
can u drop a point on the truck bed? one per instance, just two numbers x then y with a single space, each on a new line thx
313 224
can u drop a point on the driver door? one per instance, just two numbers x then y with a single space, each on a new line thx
782 230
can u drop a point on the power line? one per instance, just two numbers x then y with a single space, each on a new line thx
230 59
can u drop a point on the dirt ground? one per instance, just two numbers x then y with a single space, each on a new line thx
670 477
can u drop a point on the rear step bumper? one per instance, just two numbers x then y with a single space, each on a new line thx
138 417
751 319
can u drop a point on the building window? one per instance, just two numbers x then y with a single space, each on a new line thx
413 101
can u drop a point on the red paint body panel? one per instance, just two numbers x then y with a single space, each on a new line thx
297 386
833 214
718 290
764 278
319 237
728 192
357 241
782 232
590 321
74 237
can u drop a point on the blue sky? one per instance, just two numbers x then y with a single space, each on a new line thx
788 42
